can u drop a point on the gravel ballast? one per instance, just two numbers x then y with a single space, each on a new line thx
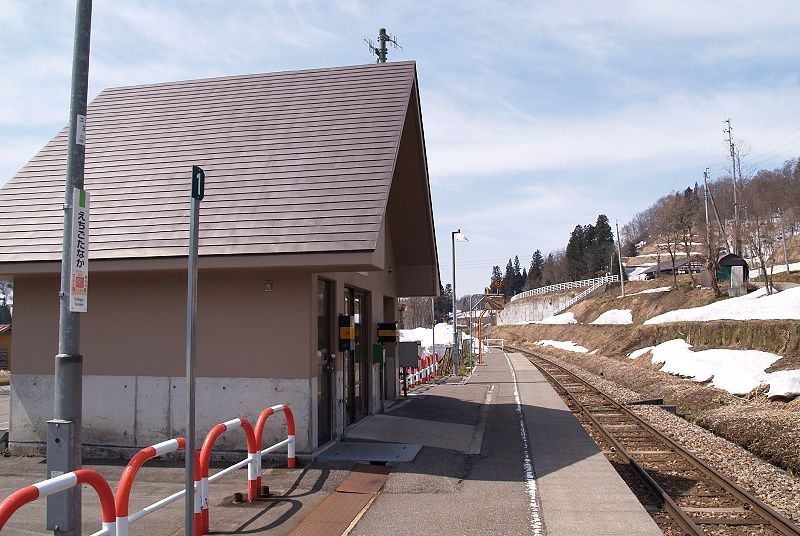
777 488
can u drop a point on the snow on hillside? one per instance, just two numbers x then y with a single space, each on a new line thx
615 316
776 269
563 318
649 291
563 345
735 371
784 305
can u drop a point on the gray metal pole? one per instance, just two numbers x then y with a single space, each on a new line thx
198 179
736 238
433 325
382 37
455 318
619 254
64 509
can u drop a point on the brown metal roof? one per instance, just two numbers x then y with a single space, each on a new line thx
295 162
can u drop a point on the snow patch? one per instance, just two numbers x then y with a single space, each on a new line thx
650 291
444 337
563 318
563 345
735 371
640 352
615 316
785 383
784 305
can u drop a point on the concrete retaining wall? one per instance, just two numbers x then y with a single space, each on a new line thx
121 413
537 308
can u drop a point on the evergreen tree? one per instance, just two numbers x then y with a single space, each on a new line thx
602 247
519 281
443 304
574 256
535 273
509 280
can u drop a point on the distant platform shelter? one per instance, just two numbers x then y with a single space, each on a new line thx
317 204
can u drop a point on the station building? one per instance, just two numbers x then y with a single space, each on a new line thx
317 204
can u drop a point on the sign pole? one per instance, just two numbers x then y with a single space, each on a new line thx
64 431
198 187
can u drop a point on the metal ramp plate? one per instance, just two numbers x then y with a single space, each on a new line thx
358 451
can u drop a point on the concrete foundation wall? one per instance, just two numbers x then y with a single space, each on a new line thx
137 411
532 309
537 308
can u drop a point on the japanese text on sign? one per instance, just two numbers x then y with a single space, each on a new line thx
79 270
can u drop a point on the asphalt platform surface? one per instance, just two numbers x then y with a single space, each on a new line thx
470 476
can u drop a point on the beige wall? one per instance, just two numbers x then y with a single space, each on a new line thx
136 324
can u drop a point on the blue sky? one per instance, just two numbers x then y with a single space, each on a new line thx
538 115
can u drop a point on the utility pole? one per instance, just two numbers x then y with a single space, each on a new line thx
380 50
736 239
619 254
705 199
716 213
64 431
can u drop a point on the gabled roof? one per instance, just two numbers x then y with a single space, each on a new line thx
295 162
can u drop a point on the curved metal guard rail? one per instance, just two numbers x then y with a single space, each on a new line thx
250 461
51 486
291 459
129 474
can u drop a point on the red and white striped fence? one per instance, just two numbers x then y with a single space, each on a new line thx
205 460
129 474
426 372
116 517
51 486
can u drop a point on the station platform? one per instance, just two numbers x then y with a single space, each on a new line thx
469 477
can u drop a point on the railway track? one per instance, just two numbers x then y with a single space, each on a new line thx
683 494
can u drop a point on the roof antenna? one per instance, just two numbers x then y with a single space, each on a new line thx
380 50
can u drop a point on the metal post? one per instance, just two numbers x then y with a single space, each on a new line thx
198 184
433 326
64 509
382 37
619 254
469 327
736 237
455 318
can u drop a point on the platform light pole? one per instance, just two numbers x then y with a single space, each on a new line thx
455 236
64 431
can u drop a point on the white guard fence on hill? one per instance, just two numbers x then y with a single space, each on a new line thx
566 286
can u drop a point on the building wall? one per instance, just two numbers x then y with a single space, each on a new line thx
254 349
252 352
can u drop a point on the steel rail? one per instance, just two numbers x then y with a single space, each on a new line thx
749 501
680 517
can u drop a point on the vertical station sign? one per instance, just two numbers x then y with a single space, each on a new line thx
79 270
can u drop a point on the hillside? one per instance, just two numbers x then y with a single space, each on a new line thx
737 378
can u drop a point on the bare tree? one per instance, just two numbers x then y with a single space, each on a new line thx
670 231
760 227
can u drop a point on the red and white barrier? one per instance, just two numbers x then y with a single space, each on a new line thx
205 461
291 458
51 486
129 474
116 517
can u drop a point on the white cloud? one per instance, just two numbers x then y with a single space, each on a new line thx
464 142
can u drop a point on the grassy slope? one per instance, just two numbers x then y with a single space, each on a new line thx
770 429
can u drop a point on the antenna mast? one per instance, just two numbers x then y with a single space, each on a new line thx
380 51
